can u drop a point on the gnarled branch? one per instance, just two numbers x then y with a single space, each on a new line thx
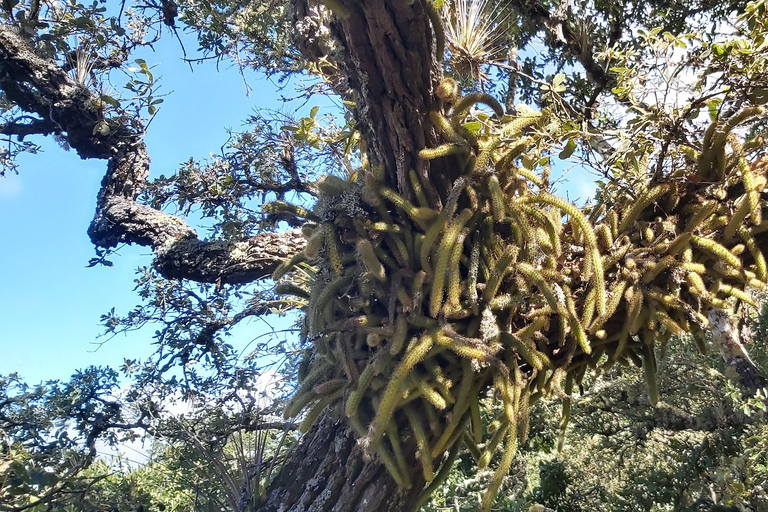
39 85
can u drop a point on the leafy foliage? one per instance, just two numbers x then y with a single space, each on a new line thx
48 434
442 310
698 450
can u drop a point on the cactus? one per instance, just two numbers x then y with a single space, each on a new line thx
415 309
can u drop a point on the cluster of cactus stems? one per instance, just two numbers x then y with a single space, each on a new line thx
420 317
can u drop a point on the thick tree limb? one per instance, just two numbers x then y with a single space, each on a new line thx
96 62
34 127
39 85
726 338
240 262
663 416
561 32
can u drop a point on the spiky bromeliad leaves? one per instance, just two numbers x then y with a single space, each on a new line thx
474 31
507 293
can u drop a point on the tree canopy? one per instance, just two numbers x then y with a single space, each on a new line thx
444 286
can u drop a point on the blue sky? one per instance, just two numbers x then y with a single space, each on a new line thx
50 302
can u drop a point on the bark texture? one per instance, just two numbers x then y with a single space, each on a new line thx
727 340
329 471
39 85
389 71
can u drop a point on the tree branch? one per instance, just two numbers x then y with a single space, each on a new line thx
111 62
726 338
39 85
561 32
34 127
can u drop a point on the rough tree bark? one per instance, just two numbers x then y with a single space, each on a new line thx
389 69
728 339
330 471
39 85
390 72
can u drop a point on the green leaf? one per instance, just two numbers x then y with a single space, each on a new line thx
568 150
109 100
619 91
474 127
714 106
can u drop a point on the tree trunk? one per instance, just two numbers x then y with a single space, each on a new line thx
389 71
329 471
